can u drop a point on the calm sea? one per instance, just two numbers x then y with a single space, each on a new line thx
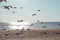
26 25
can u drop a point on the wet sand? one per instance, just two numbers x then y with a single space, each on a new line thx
46 34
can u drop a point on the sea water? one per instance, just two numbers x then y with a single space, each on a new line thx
46 25
26 25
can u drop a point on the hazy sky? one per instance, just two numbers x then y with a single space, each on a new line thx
50 10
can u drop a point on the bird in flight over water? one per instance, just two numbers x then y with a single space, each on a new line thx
20 21
8 7
38 10
33 14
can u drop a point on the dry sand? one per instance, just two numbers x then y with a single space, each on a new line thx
49 34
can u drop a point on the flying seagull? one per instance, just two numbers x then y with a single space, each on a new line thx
42 22
32 24
2 1
59 24
15 7
44 26
21 7
20 21
8 7
33 14
13 12
38 21
38 10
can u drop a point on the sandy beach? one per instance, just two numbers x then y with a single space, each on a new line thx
46 34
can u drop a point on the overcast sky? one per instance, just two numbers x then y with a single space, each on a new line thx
49 10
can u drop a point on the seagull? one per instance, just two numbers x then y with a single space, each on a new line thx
20 21
10 6
6 7
15 7
32 24
2 1
38 10
21 7
44 26
33 14
59 24
38 21
5 0
13 12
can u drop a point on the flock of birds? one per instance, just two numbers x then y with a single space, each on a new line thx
8 8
